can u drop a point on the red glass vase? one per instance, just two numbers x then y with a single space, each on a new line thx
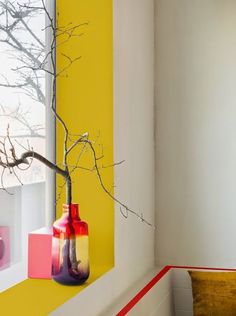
70 250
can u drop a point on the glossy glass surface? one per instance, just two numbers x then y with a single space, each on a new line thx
70 257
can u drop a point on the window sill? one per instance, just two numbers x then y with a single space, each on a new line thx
12 275
40 297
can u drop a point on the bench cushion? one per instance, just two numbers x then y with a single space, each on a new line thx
214 293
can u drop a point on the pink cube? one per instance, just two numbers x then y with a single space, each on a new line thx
40 254
4 247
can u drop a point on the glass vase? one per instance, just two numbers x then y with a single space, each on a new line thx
70 249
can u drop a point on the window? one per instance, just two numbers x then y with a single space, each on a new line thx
24 37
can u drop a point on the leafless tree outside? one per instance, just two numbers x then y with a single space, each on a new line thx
25 45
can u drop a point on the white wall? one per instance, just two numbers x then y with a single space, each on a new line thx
134 142
196 132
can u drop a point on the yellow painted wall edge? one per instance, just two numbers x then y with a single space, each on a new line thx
85 101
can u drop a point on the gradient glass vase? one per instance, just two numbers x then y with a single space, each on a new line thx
70 252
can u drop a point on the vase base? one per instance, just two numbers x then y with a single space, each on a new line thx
69 282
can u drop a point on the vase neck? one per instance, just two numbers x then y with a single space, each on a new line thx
72 210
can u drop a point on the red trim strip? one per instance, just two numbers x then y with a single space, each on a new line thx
144 291
157 278
201 268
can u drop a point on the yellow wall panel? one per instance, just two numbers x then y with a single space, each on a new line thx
85 101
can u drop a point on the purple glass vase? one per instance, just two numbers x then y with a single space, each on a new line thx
70 250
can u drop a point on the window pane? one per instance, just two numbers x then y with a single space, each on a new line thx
23 117
22 83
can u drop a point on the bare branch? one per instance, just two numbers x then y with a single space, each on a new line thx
2 182
96 168
114 164
13 85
